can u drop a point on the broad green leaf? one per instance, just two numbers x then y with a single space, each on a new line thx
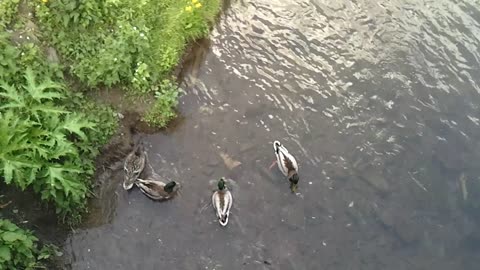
76 122
39 92
5 254
13 236
6 225
28 242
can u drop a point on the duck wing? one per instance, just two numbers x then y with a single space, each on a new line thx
290 163
135 160
153 189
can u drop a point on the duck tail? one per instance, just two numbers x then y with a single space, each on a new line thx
223 220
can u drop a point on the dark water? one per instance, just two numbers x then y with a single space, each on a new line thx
378 100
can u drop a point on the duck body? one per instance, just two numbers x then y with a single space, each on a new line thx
286 164
157 190
133 165
222 202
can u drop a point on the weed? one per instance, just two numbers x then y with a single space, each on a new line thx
132 43
163 111
8 9
19 248
46 142
37 142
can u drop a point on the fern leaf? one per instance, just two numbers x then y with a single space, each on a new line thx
10 93
12 106
74 123
63 149
39 92
32 176
14 168
45 108
13 133
59 179
8 169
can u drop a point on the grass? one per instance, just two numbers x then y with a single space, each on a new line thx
163 111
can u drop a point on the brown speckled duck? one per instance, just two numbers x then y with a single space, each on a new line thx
134 165
156 189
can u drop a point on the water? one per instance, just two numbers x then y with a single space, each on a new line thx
378 101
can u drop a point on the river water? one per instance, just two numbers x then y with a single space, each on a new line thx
378 101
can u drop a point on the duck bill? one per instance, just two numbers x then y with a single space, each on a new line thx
127 183
293 187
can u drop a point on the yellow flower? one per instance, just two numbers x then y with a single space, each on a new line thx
44 1
194 1
189 8
198 5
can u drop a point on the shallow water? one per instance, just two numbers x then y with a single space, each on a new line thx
378 101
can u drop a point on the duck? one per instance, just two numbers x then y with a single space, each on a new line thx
287 164
222 202
157 190
134 165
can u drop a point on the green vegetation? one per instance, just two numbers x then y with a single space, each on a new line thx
45 143
164 108
134 44
8 10
50 135
130 44
19 248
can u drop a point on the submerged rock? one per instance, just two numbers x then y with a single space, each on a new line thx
52 56
402 226
229 162
375 179
246 147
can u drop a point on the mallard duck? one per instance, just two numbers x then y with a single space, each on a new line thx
287 164
222 202
134 165
157 190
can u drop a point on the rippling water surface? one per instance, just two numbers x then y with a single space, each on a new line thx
378 100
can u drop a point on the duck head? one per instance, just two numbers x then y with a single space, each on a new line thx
276 145
293 178
170 187
221 184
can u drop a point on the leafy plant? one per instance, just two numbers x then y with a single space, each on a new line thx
43 144
8 57
49 137
19 248
163 111
8 8
132 43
